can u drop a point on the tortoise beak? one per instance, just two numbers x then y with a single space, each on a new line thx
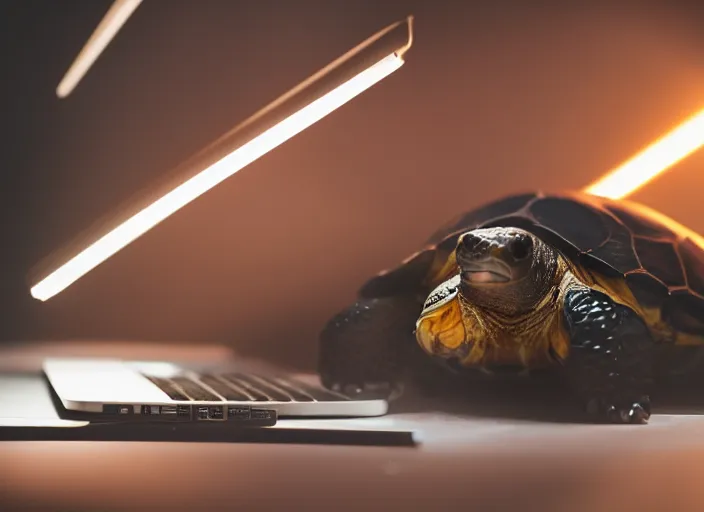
491 270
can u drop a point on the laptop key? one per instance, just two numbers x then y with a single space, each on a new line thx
243 387
274 392
194 390
168 387
227 390
298 394
258 395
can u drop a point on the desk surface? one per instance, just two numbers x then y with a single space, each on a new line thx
472 462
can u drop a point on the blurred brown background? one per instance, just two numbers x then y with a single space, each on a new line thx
496 97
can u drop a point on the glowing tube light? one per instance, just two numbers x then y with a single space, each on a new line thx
654 160
310 101
111 23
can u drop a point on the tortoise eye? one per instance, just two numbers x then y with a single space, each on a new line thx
520 247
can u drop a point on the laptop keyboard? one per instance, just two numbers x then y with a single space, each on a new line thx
243 387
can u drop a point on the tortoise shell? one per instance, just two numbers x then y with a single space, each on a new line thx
661 260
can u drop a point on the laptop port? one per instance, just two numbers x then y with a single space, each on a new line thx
183 411
202 413
216 413
238 413
117 409
168 410
262 414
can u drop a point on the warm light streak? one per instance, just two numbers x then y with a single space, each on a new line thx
111 23
150 216
654 160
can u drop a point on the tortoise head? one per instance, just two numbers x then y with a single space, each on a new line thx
504 274
504 269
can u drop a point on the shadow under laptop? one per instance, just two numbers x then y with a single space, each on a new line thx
543 398
190 433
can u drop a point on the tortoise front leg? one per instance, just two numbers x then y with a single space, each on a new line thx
610 362
366 347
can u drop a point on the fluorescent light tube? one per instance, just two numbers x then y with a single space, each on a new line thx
652 161
111 23
310 101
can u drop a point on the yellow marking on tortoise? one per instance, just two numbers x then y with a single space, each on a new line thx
443 325
495 339
524 339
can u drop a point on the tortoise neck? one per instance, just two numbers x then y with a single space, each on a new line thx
515 338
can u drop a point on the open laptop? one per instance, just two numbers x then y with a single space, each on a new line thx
120 390
117 390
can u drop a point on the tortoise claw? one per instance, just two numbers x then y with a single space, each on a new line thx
363 348
637 413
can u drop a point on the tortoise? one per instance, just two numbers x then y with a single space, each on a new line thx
605 292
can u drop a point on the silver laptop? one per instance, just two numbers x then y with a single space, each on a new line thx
114 390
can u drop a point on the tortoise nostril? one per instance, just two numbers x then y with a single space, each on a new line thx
520 247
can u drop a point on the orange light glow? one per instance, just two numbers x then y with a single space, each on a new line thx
111 23
150 216
652 161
